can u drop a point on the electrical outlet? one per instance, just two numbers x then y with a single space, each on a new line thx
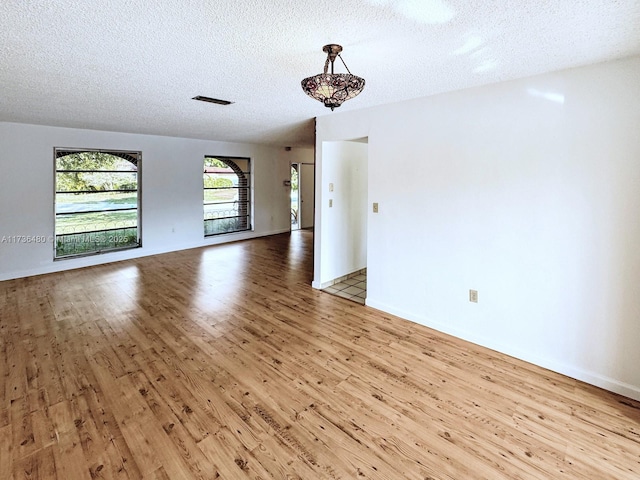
330 202
473 296
375 207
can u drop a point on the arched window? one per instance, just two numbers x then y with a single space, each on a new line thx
227 195
97 201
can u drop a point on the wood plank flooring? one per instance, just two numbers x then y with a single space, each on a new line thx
223 362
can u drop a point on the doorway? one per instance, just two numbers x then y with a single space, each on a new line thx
302 195
341 244
295 196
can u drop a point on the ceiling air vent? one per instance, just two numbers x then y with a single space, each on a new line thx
212 100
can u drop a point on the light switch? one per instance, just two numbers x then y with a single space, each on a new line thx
330 202
331 187
375 207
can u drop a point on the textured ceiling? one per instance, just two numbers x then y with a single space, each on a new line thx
134 65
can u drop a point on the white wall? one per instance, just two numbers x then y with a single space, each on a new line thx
343 238
171 192
527 191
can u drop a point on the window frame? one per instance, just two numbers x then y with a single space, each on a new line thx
248 188
59 152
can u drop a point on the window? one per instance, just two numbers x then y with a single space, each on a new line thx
226 195
97 201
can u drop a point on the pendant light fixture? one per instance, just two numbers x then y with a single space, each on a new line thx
333 88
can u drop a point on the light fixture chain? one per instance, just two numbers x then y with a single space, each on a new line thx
345 65
326 65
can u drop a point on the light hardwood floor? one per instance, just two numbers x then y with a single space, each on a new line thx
223 362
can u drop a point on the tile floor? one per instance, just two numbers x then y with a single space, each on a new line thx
353 288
